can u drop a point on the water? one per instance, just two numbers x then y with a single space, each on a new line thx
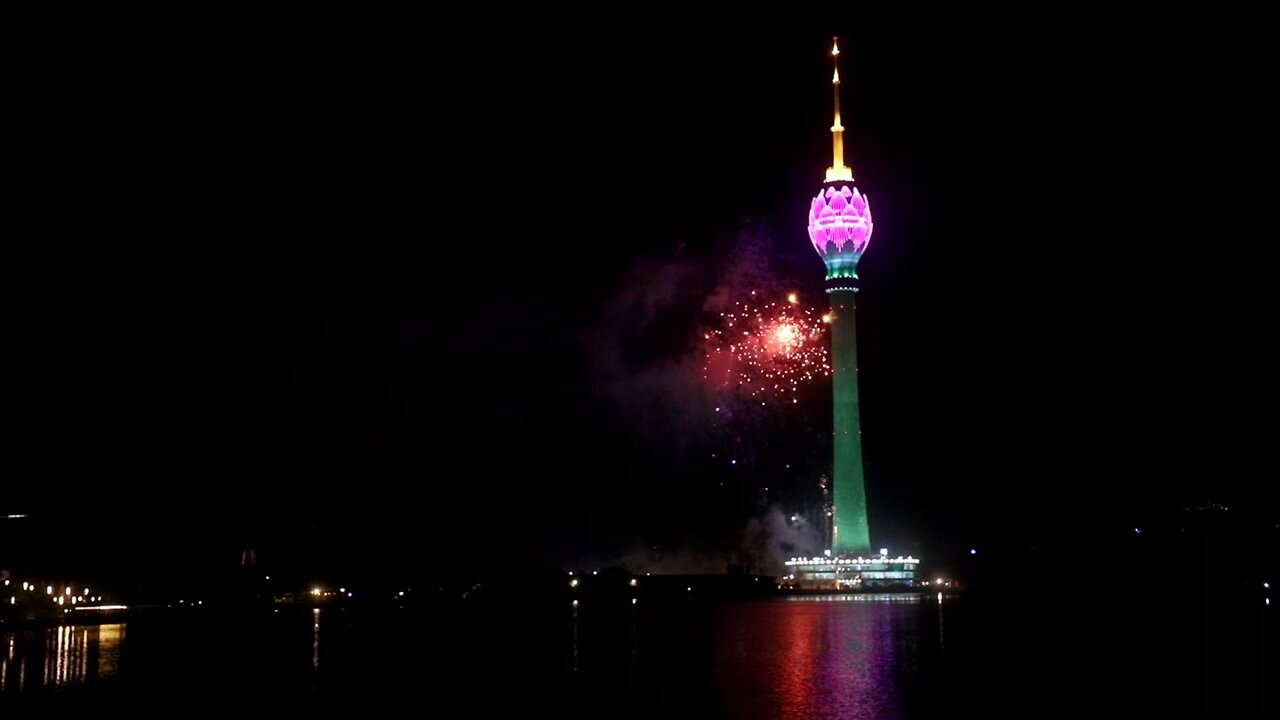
854 656
59 657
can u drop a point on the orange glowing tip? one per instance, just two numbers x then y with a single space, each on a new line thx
838 171
793 298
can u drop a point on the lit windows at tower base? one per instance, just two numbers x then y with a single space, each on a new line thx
856 573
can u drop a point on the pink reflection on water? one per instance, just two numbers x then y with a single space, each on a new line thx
824 657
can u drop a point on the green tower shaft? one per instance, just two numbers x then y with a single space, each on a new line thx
850 531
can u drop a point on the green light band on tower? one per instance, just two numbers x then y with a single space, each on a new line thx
850 532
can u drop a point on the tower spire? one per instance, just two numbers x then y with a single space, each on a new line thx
838 171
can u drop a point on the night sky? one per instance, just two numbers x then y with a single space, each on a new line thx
364 294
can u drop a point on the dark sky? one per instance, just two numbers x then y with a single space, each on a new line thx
375 290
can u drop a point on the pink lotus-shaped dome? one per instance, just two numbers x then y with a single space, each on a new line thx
840 222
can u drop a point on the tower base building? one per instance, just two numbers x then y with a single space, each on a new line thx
880 572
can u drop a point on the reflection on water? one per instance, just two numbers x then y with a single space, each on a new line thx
60 656
315 639
839 655
823 656
890 657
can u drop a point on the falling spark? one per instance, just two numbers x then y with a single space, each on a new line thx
766 350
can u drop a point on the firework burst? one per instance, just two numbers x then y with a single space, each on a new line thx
766 349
